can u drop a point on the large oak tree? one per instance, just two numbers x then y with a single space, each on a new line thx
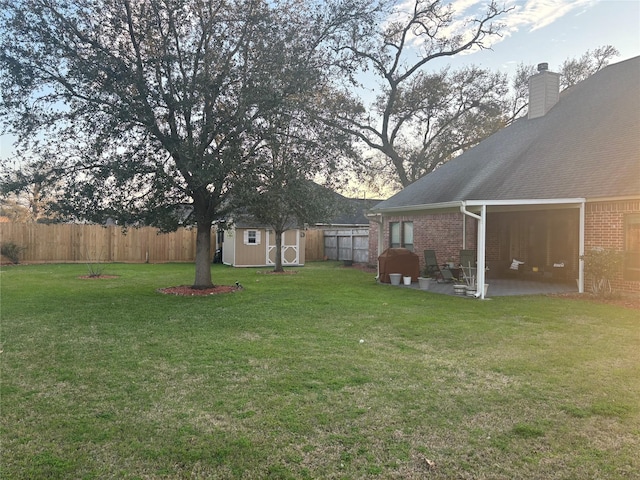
147 108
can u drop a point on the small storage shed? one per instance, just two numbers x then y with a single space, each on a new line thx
246 245
398 260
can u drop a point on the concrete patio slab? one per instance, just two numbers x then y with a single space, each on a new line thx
505 287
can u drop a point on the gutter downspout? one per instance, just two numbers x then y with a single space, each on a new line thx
464 233
481 254
378 218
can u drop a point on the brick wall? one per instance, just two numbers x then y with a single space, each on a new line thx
604 228
440 232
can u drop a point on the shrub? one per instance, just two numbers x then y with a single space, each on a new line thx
12 251
95 263
601 265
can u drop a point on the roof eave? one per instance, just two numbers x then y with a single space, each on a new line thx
613 199
342 225
417 208
455 205
524 201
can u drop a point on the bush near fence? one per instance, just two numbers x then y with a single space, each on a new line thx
62 243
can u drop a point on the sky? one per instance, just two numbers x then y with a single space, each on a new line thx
546 31
552 31
537 31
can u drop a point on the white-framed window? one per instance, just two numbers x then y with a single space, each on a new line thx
394 234
407 235
401 235
252 237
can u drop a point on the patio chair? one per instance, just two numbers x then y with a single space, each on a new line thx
433 269
467 258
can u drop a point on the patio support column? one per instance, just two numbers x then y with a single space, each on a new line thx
482 241
380 242
581 250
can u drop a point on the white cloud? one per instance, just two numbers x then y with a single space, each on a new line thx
462 6
531 15
526 15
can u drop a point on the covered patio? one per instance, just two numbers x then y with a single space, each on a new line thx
553 228
546 236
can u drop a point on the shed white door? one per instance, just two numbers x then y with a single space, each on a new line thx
290 247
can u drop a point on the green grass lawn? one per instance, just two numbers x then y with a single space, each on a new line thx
110 379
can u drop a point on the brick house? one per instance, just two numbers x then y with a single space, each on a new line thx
544 190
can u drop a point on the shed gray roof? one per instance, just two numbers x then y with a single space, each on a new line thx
586 146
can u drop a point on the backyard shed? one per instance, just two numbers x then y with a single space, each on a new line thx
253 245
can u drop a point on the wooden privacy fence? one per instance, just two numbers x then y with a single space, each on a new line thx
53 243
314 245
347 244
337 244
83 243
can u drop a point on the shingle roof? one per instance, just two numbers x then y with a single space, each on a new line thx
346 212
586 146
351 212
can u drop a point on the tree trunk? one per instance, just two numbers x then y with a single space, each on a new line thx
278 267
399 164
203 256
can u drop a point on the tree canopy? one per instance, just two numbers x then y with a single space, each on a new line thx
144 106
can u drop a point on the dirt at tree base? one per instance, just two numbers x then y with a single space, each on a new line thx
189 291
97 277
273 272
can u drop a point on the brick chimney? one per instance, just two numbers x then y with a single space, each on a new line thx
544 91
